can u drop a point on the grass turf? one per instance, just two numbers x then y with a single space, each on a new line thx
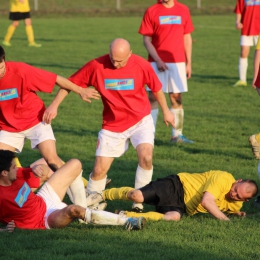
218 117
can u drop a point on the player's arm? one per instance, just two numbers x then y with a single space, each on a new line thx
168 117
65 87
188 52
9 227
239 25
147 40
208 202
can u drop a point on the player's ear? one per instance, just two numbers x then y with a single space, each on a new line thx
239 180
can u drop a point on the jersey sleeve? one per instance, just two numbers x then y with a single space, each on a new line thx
27 175
84 76
38 79
152 80
146 27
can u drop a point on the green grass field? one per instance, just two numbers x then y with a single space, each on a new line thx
218 117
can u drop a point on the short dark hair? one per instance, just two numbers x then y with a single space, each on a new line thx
2 54
6 158
253 185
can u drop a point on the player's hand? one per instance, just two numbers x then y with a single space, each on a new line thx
188 71
89 93
239 25
168 118
38 170
161 66
241 214
49 114
10 226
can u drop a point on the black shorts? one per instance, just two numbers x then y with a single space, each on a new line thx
16 16
166 194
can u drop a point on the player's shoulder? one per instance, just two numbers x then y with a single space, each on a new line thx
182 6
16 67
139 61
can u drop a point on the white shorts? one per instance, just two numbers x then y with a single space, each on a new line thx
37 134
111 144
52 201
174 79
248 40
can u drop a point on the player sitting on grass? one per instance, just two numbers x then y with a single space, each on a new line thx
212 192
45 209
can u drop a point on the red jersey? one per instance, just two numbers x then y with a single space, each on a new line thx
167 27
19 203
122 90
250 16
20 106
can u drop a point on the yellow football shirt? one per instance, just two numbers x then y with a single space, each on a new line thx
21 6
218 183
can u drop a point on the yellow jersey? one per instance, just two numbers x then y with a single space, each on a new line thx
21 6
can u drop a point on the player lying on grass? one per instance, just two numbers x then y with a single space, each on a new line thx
212 192
45 209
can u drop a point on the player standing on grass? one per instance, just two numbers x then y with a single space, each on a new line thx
20 10
120 78
248 21
166 28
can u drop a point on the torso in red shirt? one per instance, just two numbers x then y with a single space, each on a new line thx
123 90
250 16
19 203
167 27
20 106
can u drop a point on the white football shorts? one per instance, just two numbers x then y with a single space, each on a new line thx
37 134
52 201
174 80
248 40
112 144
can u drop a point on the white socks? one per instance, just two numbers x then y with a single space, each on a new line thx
76 191
104 218
142 178
178 119
242 68
154 114
96 186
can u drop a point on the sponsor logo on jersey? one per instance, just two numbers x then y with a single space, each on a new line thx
22 195
8 94
119 84
252 2
171 19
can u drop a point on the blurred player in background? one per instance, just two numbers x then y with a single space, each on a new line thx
166 28
248 21
20 10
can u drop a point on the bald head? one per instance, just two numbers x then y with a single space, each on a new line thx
120 52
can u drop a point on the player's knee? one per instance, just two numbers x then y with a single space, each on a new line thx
148 160
172 216
74 211
135 196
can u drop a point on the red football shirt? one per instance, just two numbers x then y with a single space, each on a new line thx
250 16
19 203
167 27
122 90
20 106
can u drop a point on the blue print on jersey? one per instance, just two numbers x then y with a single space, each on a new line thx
119 84
8 94
22 195
252 2
171 19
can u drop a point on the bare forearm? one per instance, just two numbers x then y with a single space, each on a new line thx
212 208
160 97
188 48
150 48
